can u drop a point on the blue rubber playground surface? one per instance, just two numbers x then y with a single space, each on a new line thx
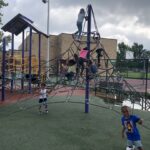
66 126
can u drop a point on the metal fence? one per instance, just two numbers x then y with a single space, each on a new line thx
133 75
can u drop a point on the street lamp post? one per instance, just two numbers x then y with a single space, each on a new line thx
48 39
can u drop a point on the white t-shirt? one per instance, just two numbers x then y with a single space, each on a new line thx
43 93
72 68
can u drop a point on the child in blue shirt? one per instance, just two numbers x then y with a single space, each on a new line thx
129 126
92 69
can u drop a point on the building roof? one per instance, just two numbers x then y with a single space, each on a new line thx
18 24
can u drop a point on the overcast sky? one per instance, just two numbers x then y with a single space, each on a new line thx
124 20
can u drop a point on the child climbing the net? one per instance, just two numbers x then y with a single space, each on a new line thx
71 69
62 69
82 59
92 69
99 55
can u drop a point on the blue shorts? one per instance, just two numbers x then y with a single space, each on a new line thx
135 143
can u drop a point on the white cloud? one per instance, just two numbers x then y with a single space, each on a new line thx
119 20
143 31
64 20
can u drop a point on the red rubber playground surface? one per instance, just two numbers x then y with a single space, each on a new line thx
137 84
15 96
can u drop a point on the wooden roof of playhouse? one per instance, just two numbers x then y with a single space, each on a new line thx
18 24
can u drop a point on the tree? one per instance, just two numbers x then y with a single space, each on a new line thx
122 51
3 4
137 50
146 54
121 55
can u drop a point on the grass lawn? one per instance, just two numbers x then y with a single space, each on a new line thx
65 127
133 74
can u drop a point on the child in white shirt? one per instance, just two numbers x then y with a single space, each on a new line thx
43 98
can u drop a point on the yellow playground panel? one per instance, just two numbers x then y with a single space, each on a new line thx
17 64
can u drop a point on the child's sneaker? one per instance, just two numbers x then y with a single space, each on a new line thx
78 40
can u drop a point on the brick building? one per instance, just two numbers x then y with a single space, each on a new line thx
62 42
58 45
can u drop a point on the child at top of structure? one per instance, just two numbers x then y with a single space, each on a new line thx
129 126
43 98
80 19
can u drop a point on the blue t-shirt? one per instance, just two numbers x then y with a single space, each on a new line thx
93 69
130 126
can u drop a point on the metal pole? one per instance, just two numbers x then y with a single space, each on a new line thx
3 69
48 39
30 60
22 80
39 73
107 80
88 58
146 78
12 55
